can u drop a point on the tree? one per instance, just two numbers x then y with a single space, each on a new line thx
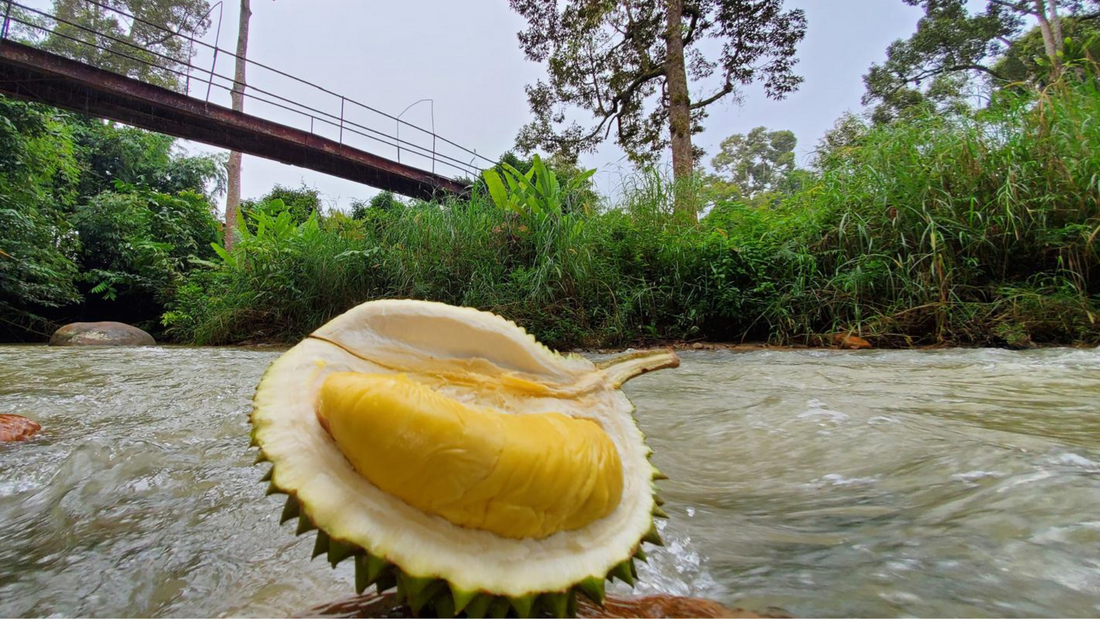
838 143
111 153
613 58
758 162
953 47
37 177
1025 60
233 196
145 48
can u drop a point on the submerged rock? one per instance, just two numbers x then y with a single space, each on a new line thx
100 334
15 428
371 604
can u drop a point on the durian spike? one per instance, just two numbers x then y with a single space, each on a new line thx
660 513
268 474
417 591
640 554
461 598
524 604
555 604
444 606
338 551
653 537
369 569
593 589
479 606
499 608
291 510
305 525
385 582
320 547
623 572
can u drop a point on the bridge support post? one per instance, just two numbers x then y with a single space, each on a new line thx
7 20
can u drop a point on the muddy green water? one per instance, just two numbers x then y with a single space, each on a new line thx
875 483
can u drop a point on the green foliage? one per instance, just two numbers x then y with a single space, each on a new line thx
1025 60
611 60
758 162
933 229
38 174
536 194
281 277
957 53
136 244
75 239
300 204
129 47
113 153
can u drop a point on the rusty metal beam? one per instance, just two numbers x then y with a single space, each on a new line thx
36 75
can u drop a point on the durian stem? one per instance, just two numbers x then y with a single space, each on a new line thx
624 367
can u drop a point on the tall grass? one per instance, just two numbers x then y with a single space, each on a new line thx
965 230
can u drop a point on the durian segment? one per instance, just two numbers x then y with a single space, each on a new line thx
482 361
514 475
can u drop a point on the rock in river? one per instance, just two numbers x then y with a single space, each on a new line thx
15 428
100 334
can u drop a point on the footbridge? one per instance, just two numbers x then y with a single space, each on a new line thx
289 119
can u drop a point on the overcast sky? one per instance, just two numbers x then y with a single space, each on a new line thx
464 55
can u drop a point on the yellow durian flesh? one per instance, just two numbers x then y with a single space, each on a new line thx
514 475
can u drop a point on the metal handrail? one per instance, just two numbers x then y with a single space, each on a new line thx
216 49
314 114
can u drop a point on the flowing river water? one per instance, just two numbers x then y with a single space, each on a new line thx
933 483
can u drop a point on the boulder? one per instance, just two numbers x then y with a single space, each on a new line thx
100 334
15 428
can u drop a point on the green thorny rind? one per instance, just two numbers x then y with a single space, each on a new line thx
435 595
444 599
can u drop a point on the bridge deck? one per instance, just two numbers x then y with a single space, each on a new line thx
36 75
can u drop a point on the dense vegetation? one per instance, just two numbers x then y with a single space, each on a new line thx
969 229
96 220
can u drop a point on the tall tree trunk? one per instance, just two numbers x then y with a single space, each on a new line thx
233 169
1056 26
1049 43
679 106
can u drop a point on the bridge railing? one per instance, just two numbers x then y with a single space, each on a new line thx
282 97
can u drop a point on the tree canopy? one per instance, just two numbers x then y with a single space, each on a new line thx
144 48
955 51
627 63
758 161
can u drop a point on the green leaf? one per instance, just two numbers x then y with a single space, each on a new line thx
222 253
496 188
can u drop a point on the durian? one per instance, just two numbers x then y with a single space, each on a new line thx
451 456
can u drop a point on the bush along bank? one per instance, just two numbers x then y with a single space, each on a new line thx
968 230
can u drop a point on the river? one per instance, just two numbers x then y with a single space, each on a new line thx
933 483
